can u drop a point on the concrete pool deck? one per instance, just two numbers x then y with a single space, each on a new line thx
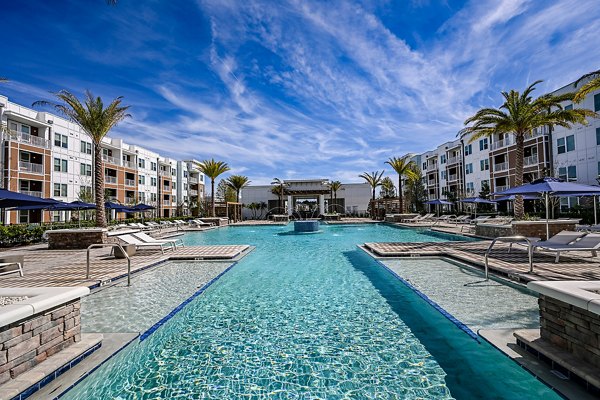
43 267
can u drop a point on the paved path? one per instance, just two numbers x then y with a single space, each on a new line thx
574 266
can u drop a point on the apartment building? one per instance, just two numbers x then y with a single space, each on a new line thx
463 165
45 155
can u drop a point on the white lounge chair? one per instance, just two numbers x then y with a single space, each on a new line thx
149 239
130 239
590 242
9 264
198 222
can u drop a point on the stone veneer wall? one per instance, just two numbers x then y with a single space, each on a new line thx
571 328
522 229
80 239
26 343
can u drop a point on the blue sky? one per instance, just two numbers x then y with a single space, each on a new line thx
295 89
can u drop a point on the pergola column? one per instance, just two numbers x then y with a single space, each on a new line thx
321 204
290 206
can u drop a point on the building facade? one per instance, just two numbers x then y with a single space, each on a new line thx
460 168
44 155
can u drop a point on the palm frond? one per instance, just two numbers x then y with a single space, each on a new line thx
588 88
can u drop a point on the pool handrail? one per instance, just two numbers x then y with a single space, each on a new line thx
508 239
113 245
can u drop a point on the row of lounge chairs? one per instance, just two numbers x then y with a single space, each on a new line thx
142 240
566 241
453 219
151 225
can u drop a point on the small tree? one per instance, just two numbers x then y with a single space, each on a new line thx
388 190
374 180
416 195
213 169
225 192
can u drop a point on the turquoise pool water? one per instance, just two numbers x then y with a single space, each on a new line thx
307 317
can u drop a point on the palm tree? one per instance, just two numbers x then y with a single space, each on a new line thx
403 167
520 114
593 84
335 186
278 190
96 121
374 180
213 169
237 183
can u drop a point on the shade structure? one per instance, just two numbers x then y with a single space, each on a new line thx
550 187
119 207
142 207
9 199
439 202
82 205
514 196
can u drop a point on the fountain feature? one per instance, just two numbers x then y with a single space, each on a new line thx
306 226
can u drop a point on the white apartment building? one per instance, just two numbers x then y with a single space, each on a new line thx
45 155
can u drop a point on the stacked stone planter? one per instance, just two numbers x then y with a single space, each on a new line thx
75 238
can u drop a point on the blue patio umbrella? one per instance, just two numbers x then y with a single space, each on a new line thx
514 196
550 187
143 207
439 202
118 207
9 199
477 200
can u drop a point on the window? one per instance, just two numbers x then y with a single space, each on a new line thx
60 165
569 107
153 197
443 159
85 169
141 163
470 187
153 166
597 102
483 144
86 147
469 168
152 181
61 140
443 174
484 164
468 149
185 174
142 180
424 166
142 197
25 129
60 190
597 136
174 185
570 142
85 191
568 173
565 144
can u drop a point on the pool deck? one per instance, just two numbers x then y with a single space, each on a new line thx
515 265
43 267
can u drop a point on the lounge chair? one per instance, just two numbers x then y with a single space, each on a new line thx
590 242
426 218
5 263
130 239
149 239
562 238
461 219
198 222
413 219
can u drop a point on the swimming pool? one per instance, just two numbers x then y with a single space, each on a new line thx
309 316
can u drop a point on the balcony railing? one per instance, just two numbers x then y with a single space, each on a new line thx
192 181
29 139
129 182
452 178
166 174
501 188
33 193
431 183
166 188
454 160
25 166
110 160
110 179
531 160
501 167
129 164
502 143
129 200
432 167
193 192
111 198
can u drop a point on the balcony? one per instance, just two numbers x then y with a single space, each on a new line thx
452 178
129 182
431 183
500 188
166 188
193 192
432 167
192 181
166 174
33 193
111 198
501 167
29 139
110 160
129 164
502 143
25 166
531 160
110 179
454 160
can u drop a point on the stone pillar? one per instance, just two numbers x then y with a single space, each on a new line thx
321 204
290 206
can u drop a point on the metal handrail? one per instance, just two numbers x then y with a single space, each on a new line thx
113 245
508 239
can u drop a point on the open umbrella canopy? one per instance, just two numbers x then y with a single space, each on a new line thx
9 199
81 205
142 207
552 186
118 207
514 196
477 200
439 201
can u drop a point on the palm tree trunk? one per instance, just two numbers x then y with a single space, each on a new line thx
212 195
99 186
519 206
400 193
373 205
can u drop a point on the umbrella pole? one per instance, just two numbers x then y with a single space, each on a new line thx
595 211
547 213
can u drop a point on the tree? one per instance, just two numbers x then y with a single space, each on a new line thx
213 169
388 190
593 84
484 193
520 114
374 180
225 192
279 190
403 167
415 191
237 183
96 121
335 186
